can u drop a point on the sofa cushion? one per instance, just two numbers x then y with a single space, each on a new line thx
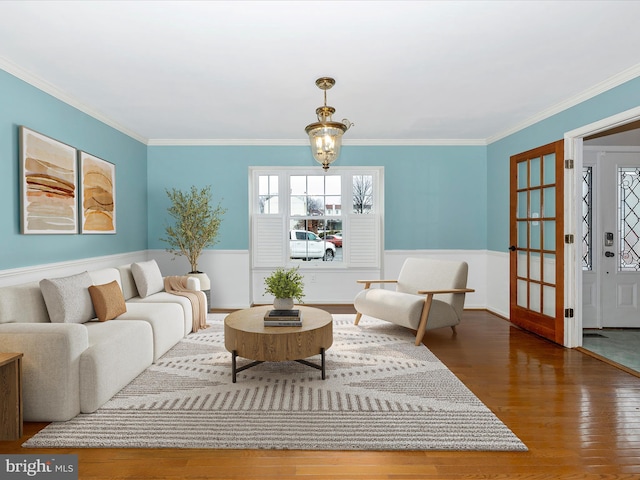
166 323
118 352
105 275
127 282
108 300
166 297
50 367
68 299
23 304
401 308
148 278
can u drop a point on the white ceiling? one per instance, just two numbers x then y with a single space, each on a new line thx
414 71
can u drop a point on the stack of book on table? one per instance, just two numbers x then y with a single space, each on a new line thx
283 318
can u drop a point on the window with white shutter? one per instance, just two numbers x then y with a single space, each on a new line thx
302 216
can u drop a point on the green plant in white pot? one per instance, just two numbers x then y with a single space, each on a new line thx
196 226
285 285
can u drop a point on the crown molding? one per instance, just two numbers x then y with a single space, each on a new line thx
304 142
41 84
55 92
419 142
608 84
224 142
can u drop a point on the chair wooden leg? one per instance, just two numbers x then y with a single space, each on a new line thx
453 327
359 315
422 327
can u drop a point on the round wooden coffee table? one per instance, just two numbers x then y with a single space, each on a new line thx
246 336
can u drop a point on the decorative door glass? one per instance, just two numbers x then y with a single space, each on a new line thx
629 219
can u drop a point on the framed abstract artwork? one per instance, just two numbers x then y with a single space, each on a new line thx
49 185
97 195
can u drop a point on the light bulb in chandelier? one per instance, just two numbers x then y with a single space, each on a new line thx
325 135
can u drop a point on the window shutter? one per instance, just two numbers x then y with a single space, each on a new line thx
364 241
269 241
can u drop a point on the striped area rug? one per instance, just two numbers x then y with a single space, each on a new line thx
381 393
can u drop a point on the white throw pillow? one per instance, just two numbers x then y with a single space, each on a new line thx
68 299
148 278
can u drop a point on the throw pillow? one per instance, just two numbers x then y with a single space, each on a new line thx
68 299
148 278
108 300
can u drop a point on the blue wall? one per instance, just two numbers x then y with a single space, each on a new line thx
23 104
435 197
611 102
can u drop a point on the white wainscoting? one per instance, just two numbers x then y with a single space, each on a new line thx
228 271
35 273
497 280
340 287
234 286
320 285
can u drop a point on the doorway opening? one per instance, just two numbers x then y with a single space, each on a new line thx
606 211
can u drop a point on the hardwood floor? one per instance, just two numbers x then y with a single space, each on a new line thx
579 417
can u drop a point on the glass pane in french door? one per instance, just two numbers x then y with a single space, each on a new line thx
536 227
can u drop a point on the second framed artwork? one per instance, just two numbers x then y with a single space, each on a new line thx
97 195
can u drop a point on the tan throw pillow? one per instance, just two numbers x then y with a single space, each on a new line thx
108 300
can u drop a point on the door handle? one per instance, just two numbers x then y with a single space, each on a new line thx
512 248
609 254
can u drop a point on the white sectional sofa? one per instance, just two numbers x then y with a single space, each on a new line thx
74 362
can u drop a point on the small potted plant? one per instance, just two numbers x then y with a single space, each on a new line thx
285 285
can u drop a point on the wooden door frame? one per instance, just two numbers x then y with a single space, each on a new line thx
573 144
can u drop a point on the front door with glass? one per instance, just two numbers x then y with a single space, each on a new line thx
620 239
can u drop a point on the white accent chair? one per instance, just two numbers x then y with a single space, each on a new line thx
429 294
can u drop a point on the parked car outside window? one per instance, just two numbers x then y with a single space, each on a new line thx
335 239
307 245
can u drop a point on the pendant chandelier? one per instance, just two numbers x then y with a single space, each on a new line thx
325 135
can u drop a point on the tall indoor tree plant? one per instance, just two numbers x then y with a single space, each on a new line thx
196 225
